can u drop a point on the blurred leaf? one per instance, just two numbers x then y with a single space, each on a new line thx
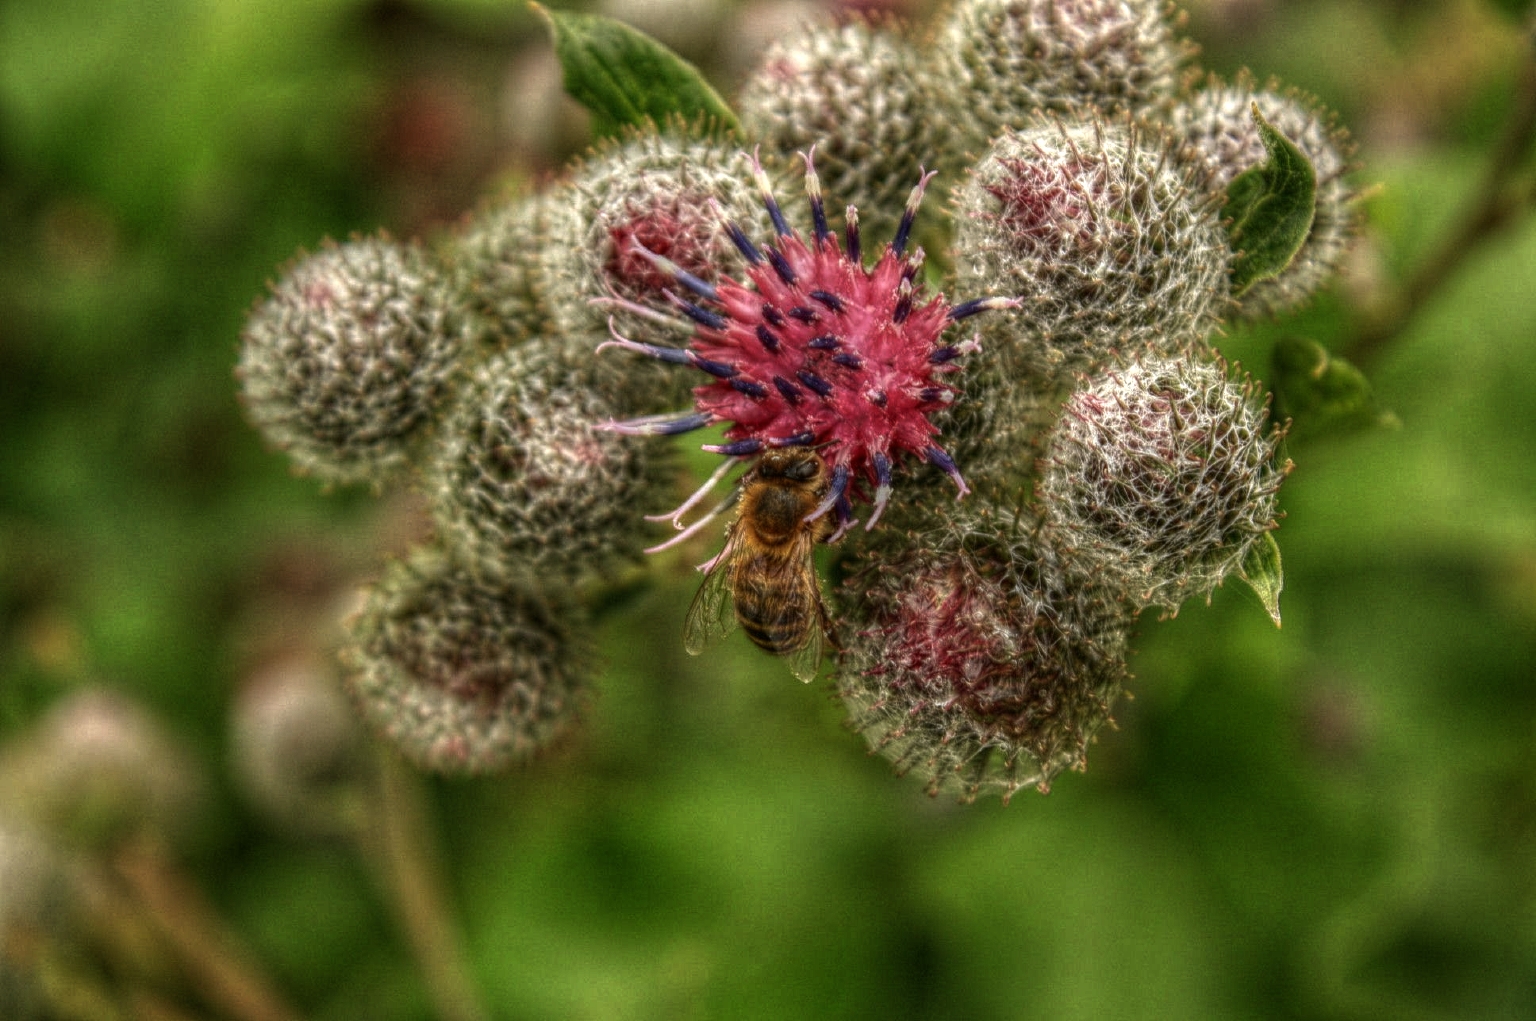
1321 392
628 79
1515 10
1261 570
1270 207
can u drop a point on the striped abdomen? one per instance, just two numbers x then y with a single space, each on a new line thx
776 599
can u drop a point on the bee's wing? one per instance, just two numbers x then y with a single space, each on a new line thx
710 615
805 662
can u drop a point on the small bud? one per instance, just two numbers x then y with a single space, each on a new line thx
495 260
524 481
1012 63
1218 124
462 676
98 770
656 194
342 365
297 746
854 92
1161 477
1111 245
975 659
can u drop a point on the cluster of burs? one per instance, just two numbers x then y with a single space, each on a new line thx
1114 461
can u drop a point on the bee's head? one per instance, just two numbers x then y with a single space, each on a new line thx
792 464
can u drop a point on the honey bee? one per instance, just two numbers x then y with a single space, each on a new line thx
765 570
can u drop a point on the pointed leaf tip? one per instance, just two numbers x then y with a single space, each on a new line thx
1261 570
1323 393
1270 209
627 79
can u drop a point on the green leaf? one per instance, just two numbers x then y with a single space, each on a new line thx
1261 570
1321 392
628 79
1270 209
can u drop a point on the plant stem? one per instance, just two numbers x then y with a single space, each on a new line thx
1500 202
398 845
211 953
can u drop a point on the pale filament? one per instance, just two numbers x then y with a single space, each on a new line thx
694 528
693 501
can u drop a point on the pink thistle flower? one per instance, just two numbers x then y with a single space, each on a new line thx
816 350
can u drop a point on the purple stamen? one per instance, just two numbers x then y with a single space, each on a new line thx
851 234
670 355
946 464
834 492
770 342
719 370
953 351
700 314
848 360
827 298
966 309
676 272
914 265
781 267
791 392
882 487
845 519
904 230
814 382
743 243
660 425
765 191
750 388
903 304
803 314
825 342
936 395
797 440
773 315
813 192
738 236
736 448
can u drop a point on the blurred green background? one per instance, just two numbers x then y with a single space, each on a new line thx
1335 820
